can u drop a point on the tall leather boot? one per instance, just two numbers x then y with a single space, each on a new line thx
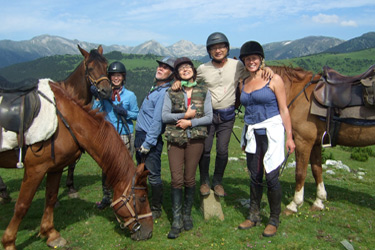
4 194
177 224
204 167
107 193
188 204
256 192
156 200
220 165
274 199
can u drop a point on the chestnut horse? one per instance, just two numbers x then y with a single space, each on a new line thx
308 130
100 140
91 71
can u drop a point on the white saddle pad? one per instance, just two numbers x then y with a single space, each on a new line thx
43 126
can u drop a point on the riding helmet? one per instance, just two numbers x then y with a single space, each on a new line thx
216 38
116 67
179 62
169 61
251 48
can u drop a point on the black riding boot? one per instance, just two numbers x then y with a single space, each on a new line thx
220 165
256 193
70 179
274 199
177 224
188 204
204 167
107 193
156 200
4 194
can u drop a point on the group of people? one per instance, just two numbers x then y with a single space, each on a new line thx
193 106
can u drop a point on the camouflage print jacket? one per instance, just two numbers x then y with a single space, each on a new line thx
174 108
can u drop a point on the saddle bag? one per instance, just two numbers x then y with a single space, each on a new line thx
369 91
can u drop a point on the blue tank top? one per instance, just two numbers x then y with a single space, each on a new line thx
260 105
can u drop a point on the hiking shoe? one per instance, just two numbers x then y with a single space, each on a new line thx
219 190
269 231
204 189
247 224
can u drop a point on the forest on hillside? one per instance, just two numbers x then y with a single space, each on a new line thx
141 68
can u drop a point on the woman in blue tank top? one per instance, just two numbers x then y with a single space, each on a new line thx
266 120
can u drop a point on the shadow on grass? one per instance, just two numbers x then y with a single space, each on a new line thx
67 213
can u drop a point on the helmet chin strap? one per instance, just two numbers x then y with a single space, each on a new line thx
168 79
220 61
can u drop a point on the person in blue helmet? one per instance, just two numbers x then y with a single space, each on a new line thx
149 130
121 110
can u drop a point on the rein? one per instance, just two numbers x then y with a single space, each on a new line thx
125 200
304 90
63 120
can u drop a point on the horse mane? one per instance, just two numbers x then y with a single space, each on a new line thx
96 56
291 72
114 152
114 155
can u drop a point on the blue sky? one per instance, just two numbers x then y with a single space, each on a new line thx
131 23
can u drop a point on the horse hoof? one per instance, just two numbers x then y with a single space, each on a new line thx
288 212
73 195
315 208
59 242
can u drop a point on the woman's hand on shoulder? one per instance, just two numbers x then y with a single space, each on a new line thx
176 86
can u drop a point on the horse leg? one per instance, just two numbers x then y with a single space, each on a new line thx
4 195
316 167
47 228
72 192
302 155
29 185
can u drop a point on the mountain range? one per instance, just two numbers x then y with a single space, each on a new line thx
12 52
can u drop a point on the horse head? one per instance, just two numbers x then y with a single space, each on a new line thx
96 71
132 208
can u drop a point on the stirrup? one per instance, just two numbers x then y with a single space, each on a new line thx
329 144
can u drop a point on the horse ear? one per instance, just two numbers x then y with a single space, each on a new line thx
100 49
83 52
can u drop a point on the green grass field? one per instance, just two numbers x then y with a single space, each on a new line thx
349 213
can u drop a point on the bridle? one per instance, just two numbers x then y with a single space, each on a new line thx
125 200
92 80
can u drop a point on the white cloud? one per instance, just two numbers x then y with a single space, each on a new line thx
322 18
349 23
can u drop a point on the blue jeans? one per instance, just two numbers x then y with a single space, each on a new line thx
153 158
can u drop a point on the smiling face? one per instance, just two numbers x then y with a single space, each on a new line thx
117 78
218 51
252 62
185 71
163 72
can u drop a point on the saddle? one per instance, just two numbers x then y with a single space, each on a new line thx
19 105
336 92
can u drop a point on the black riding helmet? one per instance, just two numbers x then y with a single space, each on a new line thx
169 61
251 48
117 67
179 62
216 38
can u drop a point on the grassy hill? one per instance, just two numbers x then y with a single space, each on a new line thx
347 63
141 68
